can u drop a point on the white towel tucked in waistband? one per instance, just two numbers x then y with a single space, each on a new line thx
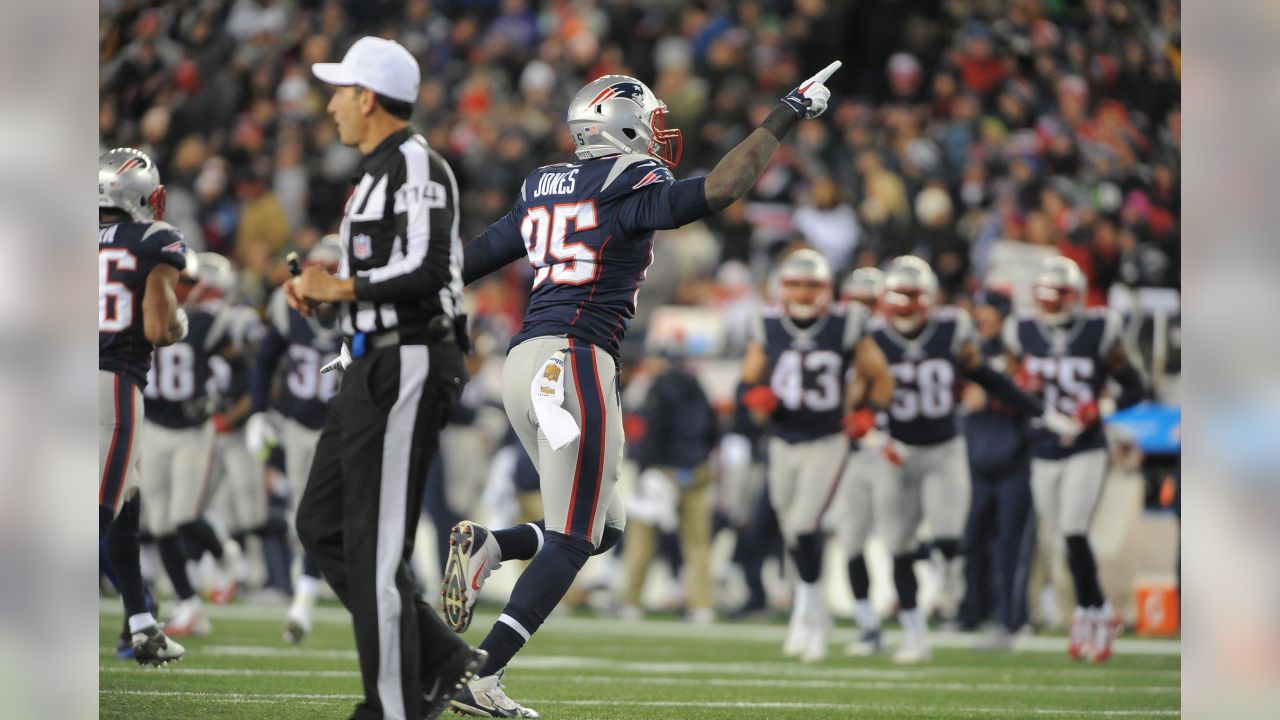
547 393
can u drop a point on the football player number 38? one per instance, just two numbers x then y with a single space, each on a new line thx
305 380
788 380
926 388
544 231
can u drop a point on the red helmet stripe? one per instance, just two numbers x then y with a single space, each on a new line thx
605 94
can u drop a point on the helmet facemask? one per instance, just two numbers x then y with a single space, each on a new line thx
804 299
1059 291
1057 304
665 146
907 308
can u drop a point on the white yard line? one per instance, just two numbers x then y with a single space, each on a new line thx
315 698
658 629
730 682
734 669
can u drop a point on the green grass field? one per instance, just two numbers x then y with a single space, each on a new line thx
601 669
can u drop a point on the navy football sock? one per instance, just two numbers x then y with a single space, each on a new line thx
1084 570
807 555
521 542
199 537
535 595
608 539
904 579
859 578
122 549
174 557
949 547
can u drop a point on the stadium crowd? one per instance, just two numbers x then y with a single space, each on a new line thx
955 126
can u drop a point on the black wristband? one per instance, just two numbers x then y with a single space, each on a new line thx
780 120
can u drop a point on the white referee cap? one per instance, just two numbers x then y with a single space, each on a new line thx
383 66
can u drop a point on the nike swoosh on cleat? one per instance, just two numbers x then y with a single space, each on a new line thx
474 578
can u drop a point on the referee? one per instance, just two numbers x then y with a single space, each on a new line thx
396 295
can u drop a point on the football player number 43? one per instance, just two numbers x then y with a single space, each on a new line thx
115 302
823 366
545 229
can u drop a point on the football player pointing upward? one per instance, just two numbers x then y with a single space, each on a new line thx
586 228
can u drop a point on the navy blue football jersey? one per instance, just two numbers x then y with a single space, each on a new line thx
297 347
587 229
923 410
179 383
808 367
127 253
1070 363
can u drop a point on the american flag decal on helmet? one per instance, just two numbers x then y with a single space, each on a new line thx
623 89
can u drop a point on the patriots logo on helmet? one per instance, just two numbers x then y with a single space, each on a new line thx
623 89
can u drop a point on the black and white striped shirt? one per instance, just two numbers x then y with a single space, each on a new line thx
400 240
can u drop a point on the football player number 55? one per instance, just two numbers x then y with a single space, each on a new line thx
545 229
115 302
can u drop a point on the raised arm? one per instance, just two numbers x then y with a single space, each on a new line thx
739 169
496 247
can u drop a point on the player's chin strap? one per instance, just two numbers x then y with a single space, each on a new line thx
547 393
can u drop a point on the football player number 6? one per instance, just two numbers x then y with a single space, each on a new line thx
115 302
545 230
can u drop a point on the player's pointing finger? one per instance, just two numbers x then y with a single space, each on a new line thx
828 71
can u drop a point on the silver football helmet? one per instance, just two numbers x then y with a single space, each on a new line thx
619 114
128 180
215 278
863 286
1059 290
327 252
910 290
805 284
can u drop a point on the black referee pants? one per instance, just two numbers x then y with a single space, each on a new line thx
359 513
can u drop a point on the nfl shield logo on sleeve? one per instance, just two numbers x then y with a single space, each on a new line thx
362 246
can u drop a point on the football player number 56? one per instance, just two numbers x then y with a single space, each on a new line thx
115 302
545 229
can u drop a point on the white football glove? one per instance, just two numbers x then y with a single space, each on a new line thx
810 99
339 363
181 316
259 433
1064 426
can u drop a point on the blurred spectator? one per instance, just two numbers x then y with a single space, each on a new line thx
674 493
999 534
1045 123
828 224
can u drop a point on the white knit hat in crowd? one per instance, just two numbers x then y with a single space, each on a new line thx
383 66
